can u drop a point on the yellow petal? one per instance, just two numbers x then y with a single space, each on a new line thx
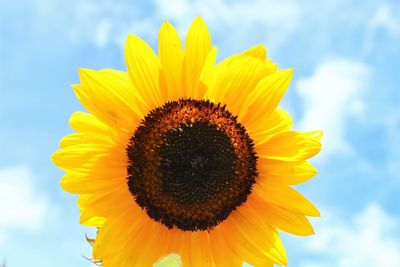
125 237
293 223
221 252
213 76
277 122
284 196
171 57
238 79
76 155
197 252
86 122
265 97
144 71
109 98
91 168
280 218
127 92
258 51
273 246
176 240
289 146
316 135
102 205
145 246
116 232
86 158
291 173
75 183
264 264
258 244
197 47
86 138
94 221
208 72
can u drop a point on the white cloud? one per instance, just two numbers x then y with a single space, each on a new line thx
330 95
371 238
21 206
386 19
279 24
281 17
108 23
275 22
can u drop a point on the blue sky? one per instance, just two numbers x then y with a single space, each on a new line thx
346 58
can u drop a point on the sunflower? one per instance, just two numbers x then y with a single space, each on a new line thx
182 155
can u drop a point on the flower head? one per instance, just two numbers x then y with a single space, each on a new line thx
182 155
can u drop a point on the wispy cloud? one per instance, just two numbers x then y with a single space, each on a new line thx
276 23
387 17
279 18
386 20
369 239
331 95
108 23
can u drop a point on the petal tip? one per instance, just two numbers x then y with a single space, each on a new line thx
64 184
53 157
258 51
288 72
166 23
198 23
198 19
74 86
132 40
83 71
315 212
317 135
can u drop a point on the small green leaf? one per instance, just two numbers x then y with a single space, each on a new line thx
171 260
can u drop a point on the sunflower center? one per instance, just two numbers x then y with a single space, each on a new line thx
197 163
190 164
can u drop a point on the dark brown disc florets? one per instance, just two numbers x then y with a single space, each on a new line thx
190 164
